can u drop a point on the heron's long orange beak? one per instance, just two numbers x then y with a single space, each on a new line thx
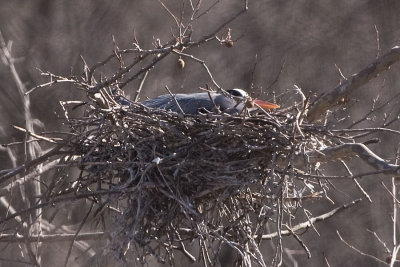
265 104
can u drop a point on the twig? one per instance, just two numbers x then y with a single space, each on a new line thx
204 12
31 148
11 238
50 140
331 99
174 98
139 90
390 192
349 150
202 63
29 164
49 84
375 109
211 36
359 251
387 250
395 242
177 22
377 129
77 233
302 244
37 172
356 182
157 59
301 174
307 224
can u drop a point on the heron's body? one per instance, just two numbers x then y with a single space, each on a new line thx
232 103
195 103
199 102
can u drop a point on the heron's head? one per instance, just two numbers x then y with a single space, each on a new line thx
238 93
242 95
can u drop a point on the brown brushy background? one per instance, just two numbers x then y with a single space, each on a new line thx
306 37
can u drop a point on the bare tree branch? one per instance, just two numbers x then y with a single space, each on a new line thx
359 251
313 220
53 238
24 168
332 98
351 150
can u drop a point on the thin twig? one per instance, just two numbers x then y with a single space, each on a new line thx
12 238
331 99
139 90
307 224
359 251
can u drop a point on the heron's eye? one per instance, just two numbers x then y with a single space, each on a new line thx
238 92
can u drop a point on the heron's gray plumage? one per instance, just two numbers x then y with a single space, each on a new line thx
193 103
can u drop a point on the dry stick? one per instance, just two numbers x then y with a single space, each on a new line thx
49 84
278 257
359 251
37 172
83 246
148 67
211 36
174 97
395 216
253 71
309 223
302 244
390 193
377 129
301 174
375 109
193 18
77 197
183 249
116 76
394 256
163 53
8 238
356 182
202 63
105 61
24 237
76 234
333 97
35 135
31 149
140 86
29 164
349 150
387 250
177 22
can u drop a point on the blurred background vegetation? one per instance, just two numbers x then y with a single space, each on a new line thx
303 42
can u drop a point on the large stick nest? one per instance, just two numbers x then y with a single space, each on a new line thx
169 178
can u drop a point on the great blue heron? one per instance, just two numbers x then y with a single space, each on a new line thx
197 102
